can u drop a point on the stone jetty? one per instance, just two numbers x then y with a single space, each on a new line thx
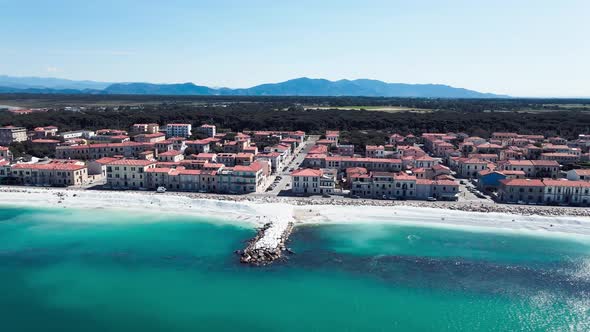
268 245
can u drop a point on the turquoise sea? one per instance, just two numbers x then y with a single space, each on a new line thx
99 270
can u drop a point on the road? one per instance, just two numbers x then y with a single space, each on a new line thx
284 183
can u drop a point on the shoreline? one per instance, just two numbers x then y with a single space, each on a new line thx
252 211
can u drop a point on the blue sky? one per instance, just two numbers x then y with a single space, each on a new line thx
519 47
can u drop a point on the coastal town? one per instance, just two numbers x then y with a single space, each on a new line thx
505 168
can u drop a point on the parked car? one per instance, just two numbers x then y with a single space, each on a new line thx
431 199
326 195
161 190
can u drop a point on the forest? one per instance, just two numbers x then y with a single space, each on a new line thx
481 117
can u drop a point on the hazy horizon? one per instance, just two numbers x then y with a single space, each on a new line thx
525 49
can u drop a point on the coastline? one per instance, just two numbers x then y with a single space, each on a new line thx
252 211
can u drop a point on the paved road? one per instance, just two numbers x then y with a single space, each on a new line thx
296 160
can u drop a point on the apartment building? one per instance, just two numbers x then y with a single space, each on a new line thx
173 156
179 130
574 174
534 168
85 134
97 151
469 167
546 191
56 173
145 128
11 134
521 191
207 129
5 153
150 138
372 164
128 173
309 181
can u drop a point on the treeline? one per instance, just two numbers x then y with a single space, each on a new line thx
278 116
467 105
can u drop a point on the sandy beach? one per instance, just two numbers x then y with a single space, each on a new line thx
256 211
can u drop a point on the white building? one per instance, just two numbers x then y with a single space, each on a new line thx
209 130
312 181
179 130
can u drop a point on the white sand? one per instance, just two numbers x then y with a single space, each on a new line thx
257 213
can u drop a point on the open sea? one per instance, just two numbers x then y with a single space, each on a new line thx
100 270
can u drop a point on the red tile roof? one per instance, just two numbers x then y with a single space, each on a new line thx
170 153
523 182
131 162
307 172
50 166
566 183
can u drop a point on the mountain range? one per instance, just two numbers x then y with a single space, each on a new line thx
296 87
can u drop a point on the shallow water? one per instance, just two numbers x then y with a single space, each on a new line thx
99 270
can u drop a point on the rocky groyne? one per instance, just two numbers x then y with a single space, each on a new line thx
268 245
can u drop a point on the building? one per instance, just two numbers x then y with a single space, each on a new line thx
46 142
469 167
243 179
567 192
128 173
534 168
209 130
5 153
173 156
99 166
574 174
178 130
346 150
11 134
312 181
561 157
56 173
522 191
145 128
85 134
444 190
333 136
371 164
43 132
97 151
199 146
150 138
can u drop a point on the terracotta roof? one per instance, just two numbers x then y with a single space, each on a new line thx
566 183
131 162
307 172
523 182
373 160
545 163
106 160
170 153
585 171
45 141
50 166
519 163
253 167
402 176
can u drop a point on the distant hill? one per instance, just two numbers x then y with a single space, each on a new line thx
362 87
296 87
49 83
159 89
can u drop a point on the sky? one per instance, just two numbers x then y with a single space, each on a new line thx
518 47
